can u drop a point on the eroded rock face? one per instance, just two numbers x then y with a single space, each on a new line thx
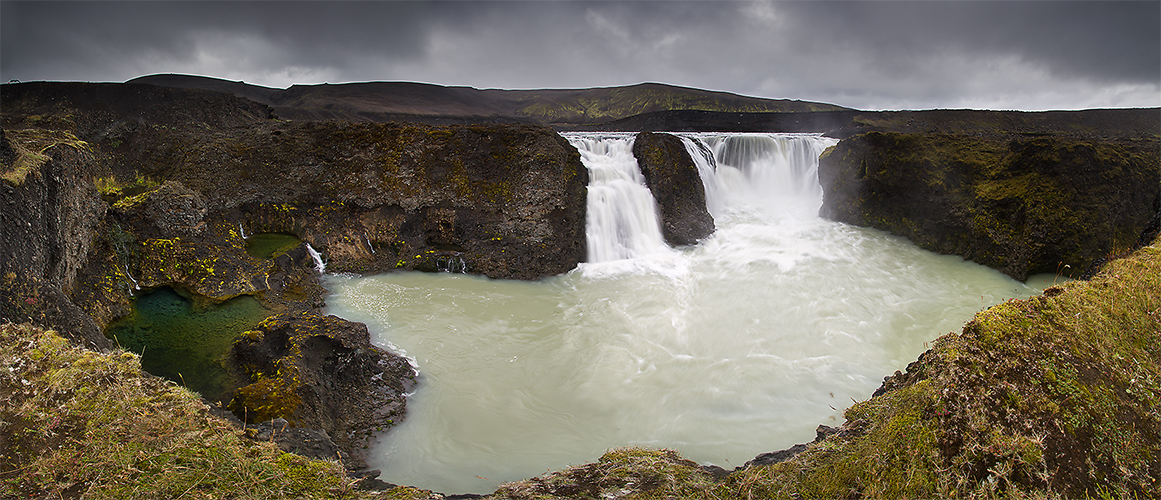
676 185
323 373
500 200
48 218
1022 206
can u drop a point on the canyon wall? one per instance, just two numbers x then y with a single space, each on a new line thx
1022 205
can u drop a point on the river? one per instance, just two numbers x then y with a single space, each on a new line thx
739 345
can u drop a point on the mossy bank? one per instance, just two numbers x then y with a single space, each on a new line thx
82 424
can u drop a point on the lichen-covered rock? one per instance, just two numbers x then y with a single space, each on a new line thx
676 185
173 208
1022 206
323 373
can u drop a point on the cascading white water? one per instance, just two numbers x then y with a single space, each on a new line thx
757 168
739 345
319 265
622 219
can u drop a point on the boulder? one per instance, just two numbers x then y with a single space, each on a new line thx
320 373
676 185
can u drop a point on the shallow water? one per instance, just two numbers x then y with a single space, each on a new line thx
182 344
738 346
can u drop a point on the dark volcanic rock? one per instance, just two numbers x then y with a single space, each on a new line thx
321 373
49 212
503 201
676 185
1022 206
175 210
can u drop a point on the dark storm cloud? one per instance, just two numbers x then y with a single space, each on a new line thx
1024 55
101 40
1113 40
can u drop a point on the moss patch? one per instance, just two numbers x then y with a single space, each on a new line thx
620 473
269 245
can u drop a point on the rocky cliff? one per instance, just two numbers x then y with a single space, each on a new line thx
50 214
111 191
1023 205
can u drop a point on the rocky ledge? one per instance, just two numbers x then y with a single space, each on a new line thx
320 372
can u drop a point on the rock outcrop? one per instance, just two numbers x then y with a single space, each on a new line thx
1022 206
676 185
503 201
320 372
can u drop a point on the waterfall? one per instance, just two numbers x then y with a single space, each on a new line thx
451 264
758 165
622 220
735 346
319 265
707 167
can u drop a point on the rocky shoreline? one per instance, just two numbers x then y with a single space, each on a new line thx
115 190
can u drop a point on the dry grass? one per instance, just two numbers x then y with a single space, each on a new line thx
76 423
31 147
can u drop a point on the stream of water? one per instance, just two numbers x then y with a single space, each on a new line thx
739 345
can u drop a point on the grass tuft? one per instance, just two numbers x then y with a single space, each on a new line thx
31 147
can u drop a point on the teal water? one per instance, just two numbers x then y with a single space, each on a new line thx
185 345
268 245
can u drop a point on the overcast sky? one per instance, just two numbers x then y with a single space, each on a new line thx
862 54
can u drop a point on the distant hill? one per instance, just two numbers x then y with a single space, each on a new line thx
385 101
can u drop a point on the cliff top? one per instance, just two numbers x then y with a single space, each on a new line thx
381 101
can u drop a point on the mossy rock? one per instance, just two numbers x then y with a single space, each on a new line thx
320 372
676 185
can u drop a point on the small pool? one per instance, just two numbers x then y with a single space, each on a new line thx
185 345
